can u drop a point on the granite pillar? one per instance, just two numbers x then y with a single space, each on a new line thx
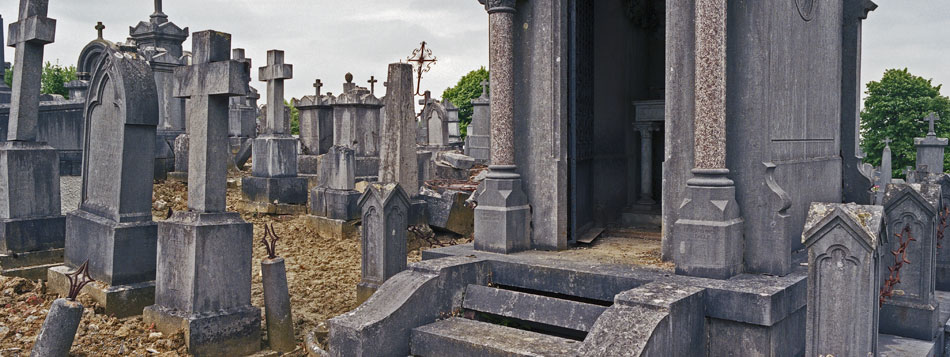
32 228
646 164
503 216
203 274
274 181
708 241
113 228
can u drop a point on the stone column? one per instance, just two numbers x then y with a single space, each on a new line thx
502 216
203 274
32 227
646 164
855 182
843 285
708 241
4 89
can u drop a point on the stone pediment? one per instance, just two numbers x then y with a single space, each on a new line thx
863 221
166 29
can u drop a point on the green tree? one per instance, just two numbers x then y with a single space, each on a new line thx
468 88
53 79
895 108
294 118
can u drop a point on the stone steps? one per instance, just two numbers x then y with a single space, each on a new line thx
568 314
463 337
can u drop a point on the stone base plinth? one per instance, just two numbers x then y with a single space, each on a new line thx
22 235
31 265
909 319
335 204
709 233
233 332
287 190
502 217
120 301
333 228
118 253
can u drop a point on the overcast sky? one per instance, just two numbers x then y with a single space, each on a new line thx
327 38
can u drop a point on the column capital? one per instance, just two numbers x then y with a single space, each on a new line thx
493 6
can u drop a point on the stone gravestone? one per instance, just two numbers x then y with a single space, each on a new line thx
943 224
203 277
356 116
478 140
242 115
398 161
32 228
180 172
113 228
886 175
274 183
455 134
438 125
334 201
385 215
930 149
316 131
913 311
843 286
4 89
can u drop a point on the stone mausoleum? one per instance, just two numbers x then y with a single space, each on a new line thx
716 123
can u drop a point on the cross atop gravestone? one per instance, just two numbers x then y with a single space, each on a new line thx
423 60
887 142
274 74
484 89
933 117
33 31
158 16
99 28
372 84
208 83
318 84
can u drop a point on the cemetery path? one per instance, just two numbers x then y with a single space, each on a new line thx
322 274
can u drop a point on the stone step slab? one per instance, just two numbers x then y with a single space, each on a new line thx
458 337
540 309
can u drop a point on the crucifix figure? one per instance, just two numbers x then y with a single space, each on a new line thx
423 59
99 28
318 84
372 84
933 117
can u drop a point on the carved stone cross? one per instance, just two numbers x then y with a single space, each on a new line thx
933 117
29 34
99 28
372 84
274 74
484 89
318 84
887 142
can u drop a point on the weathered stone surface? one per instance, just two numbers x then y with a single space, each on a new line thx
448 211
462 337
930 149
385 216
398 162
316 124
843 242
457 160
58 331
478 140
280 324
502 217
546 310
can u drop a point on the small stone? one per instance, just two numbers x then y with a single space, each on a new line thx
154 336
123 332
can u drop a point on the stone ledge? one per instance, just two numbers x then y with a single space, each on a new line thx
334 228
120 301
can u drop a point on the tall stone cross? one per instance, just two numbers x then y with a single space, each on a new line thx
274 74
99 28
208 83
485 93
33 31
318 84
933 117
372 84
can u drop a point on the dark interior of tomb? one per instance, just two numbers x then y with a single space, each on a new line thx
617 60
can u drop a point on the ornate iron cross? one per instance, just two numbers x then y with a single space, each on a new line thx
423 60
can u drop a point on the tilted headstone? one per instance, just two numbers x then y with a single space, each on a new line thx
398 161
911 212
30 215
930 149
385 213
113 228
316 122
274 165
356 125
843 242
335 196
203 279
478 138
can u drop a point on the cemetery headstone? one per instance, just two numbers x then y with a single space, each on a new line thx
32 228
930 149
398 161
180 173
203 276
356 125
113 228
943 231
274 183
478 138
242 115
385 215
843 278
455 134
316 122
911 218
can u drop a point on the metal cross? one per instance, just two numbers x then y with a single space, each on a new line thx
423 59
100 27
372 84
318 84
933 117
